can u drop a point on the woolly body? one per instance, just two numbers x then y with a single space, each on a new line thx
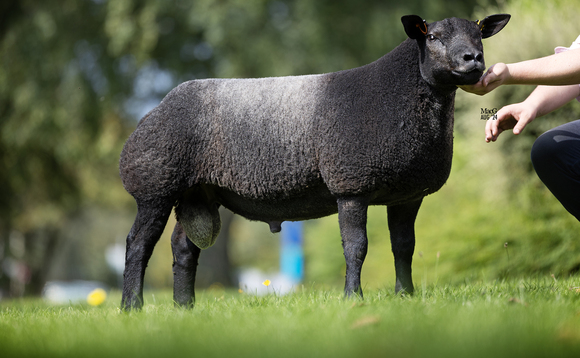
284 148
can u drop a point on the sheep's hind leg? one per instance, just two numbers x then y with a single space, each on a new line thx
401 220
197 229
185 259
147 228
352 218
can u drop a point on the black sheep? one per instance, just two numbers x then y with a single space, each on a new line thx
302 147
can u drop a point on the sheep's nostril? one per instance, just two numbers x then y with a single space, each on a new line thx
468 57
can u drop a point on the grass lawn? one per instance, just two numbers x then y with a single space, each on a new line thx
537 317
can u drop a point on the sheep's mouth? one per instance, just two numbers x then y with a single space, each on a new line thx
469 77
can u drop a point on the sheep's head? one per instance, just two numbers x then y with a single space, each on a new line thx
451 53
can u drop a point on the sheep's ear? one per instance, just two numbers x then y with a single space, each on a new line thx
415 26
492 24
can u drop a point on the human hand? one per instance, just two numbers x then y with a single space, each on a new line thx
515 116
495 76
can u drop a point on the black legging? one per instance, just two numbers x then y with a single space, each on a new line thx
556 159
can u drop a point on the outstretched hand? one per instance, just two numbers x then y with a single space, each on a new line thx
495 76
515 116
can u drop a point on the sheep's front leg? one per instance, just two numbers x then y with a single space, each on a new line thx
402 227
352 218
185 259
144 234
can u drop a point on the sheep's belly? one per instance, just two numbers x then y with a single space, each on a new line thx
311 204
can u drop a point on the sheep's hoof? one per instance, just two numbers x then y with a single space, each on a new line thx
404 292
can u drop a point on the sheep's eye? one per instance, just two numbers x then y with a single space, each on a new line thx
431 37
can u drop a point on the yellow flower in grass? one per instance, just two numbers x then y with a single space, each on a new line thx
96 297
266 283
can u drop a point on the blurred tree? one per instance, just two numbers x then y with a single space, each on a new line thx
75 72
60 132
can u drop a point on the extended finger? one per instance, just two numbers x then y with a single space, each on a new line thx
491 130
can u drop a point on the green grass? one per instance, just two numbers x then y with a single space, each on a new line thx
537 317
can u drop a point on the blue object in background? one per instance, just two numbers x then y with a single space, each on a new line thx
291 253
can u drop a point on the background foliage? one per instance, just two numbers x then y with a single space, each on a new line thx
75 76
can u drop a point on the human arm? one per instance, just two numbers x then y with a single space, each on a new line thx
543 100
555 70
